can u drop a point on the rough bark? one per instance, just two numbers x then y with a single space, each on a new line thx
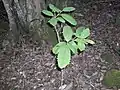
25 17
9 10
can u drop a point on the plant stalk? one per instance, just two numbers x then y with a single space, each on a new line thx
62 77
57 33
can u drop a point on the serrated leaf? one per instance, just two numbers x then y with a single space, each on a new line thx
82 32
53 8
85 33
81 45
90 41
79 31
69 19
64 56
53 21
55 49
80 40
61 19
67 33
68 9
73 46
48 13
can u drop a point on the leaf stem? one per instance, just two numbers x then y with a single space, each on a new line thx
62 77
57 33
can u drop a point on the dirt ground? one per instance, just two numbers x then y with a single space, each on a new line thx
32 67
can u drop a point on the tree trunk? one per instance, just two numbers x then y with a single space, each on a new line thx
25 17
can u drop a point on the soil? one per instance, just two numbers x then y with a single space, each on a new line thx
31 66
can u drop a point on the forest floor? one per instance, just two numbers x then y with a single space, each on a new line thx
32 66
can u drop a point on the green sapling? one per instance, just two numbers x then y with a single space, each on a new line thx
72 41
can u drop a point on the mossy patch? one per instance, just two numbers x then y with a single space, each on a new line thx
112 78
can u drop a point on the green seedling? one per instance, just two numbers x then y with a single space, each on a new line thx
69 41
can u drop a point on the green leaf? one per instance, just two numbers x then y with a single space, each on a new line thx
85 33
79 31
55 49
68 9
54 9
72 46
69 19
61 19
89 41
67 33
81 45
53 21
48 13
82 32
64 56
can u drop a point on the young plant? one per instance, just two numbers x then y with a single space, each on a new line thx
71 41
